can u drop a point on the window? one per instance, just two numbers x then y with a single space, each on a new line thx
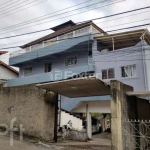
70 61
128 71
48 67
108 73
27 70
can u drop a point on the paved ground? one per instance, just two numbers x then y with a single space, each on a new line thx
99 142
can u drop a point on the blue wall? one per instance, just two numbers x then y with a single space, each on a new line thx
58 62
119 58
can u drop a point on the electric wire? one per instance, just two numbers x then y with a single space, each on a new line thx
63 17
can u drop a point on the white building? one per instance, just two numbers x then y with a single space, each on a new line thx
7 72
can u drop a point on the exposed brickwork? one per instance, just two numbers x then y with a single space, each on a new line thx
32 106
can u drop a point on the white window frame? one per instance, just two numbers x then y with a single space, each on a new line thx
135 76
71 64
28 71
107 73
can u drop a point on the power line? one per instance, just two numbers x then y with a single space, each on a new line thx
64 16
74 37
10 4
5 2
23 9
17 7
43 16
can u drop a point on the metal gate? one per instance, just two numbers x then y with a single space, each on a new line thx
136 134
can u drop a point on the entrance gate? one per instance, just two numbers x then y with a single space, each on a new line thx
136 134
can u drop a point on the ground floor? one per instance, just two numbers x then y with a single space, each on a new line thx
99 142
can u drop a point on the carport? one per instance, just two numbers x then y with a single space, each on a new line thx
80 87
88 107
91 86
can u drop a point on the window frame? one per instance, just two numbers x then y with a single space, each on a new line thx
130 76
71 64
45 67
107 73
28 71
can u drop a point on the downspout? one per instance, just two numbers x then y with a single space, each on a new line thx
144 64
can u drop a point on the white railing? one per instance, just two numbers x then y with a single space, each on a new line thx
75 33
31 48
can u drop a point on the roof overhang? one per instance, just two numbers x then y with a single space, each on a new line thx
3 52
125 39
139 94
80 87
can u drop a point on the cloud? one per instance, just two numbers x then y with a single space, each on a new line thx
50 6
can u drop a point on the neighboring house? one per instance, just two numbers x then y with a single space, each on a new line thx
7 72
84 49
70 118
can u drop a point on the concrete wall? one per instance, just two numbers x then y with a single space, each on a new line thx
5 73
32 107
118 58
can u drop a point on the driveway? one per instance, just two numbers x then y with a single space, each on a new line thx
65 145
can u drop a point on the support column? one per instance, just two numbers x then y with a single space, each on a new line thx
89 126
118 112
56 119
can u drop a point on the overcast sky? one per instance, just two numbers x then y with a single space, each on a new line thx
13 12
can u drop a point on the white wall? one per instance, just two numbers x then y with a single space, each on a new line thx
76 122
147 63
5 73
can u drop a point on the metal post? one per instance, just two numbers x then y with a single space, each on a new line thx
56 119
113 43
86 119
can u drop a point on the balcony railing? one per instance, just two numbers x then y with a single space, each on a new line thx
31 48
55 40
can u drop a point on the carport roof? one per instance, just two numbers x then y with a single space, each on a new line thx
79 87
139 93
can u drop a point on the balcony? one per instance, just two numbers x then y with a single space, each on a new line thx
24 55
54 75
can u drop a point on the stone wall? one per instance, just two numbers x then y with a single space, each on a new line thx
33 107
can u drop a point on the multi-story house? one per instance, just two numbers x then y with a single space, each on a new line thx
77 49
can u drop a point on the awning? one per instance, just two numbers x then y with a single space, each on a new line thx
139 94
79 87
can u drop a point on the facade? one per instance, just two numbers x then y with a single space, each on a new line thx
81 50
7 72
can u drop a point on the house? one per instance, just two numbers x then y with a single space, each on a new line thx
68 48
76 50
7 72
66 117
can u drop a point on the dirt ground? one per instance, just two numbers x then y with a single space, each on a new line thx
98 142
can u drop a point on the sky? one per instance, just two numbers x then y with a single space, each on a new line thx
18 17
